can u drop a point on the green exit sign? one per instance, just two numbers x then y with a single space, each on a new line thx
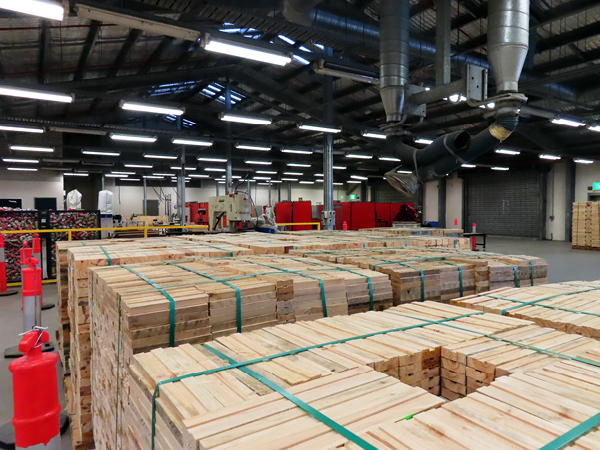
597 186
353 196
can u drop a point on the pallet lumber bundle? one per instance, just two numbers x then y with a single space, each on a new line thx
403 343
470 365
525 411
586 225
420 231
572 307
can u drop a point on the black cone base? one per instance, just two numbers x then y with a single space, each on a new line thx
47 306
8 294
7 432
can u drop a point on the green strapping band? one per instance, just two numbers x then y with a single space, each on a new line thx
218 248
516 277
460 276
534 302
293 352
573 434
340 429
167 296
371 298
412 267
118 378
107 255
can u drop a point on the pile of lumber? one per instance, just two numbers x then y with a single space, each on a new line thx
586 225
411 356
525 411
570 307
421 231
470 365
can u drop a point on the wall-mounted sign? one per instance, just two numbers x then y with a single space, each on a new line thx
597 186
353 196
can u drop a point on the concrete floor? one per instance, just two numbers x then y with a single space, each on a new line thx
565 264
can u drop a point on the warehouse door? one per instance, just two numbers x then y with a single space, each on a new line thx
505 203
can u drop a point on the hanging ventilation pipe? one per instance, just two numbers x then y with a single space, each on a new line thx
508 41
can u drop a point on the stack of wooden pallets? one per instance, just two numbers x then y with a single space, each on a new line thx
412 356
525 411
570 307
586 225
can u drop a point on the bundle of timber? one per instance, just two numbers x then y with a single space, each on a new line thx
586 225
571 307
78 354
531 411
403 342
421 231
470 365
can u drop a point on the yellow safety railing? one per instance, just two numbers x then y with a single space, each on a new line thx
70 231
318 224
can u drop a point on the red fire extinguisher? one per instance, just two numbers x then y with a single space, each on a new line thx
35 389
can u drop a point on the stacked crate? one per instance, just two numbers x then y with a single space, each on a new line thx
586 225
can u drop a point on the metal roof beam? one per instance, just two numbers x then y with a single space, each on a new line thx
156 54
90 41
44 51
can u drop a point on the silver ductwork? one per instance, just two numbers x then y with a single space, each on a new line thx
394 20
300 11
508 41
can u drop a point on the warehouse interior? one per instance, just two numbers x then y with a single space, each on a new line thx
161 158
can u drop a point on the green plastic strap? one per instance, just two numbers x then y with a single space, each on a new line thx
294 352
369 282
118 375
340 429
516 277
460 276
168 297
107 255
238 293
573 434
412 267
531 264
534 302
557 308
454 242
218 248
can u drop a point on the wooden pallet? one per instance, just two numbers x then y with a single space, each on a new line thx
525 411
586 226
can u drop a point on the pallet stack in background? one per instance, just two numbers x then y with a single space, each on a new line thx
586 225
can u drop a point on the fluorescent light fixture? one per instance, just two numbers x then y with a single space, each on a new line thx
338 184
259 163
129 179
307 182
500 168
580 161
551 157
319 175
114 175
355 156
389 158
289 179
124 173
126 137
245 119
142 107
221 182
504 151
570 123
149 156
276 181
40 8
339 167
219 160
266 172
357 177
153 177
35 94
403 171
24 161
214 169
298 165
264 184
262 178
298 174
320 181
468 166
353 182
423 141
75 174
247 51
22 169
99 153
191 142
138 166
21 129
198 176
595 128
164 174
319 128
20 148
257 148
369 134
298 152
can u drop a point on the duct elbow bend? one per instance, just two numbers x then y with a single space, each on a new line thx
503 127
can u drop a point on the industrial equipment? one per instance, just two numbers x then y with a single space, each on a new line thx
230 212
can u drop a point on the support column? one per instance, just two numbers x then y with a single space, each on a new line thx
289 189
181 180
229 173
569 199
364 191
328 217
443 30
442 202
145 203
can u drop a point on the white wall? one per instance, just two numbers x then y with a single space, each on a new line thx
585 175
430 202
29 185
556 206
454 201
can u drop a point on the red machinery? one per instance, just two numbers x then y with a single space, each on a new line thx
197 213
